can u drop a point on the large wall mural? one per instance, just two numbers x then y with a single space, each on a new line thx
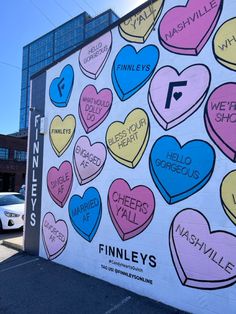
139 175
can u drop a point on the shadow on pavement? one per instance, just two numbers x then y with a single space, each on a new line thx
8 234
33 285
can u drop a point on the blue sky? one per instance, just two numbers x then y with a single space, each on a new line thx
21 22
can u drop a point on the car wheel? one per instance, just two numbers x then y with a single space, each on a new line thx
1 229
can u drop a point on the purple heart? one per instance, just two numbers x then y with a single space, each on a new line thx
55 235
203 258
88 159
220 118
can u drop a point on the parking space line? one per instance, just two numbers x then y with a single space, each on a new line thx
19 265
118 305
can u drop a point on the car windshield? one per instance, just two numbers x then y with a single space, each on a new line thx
11 199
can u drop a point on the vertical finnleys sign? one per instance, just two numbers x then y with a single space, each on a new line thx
34 167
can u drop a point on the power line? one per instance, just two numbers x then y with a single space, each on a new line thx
60 6
78 5
42 12
89 6
11 65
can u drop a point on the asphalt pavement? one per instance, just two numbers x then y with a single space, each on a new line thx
33 285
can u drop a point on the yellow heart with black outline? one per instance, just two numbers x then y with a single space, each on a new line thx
61 133
228 195
127 141
139 26
224 44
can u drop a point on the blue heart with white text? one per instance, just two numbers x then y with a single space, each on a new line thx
131 69
178 172
86 212
61 87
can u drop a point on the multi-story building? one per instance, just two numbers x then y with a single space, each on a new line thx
12 162
54 45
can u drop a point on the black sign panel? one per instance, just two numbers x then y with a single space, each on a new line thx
34 166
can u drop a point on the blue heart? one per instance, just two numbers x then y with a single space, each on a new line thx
61 87
131 69
86 212
179 172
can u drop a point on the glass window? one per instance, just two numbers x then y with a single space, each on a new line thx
22 118
4 153
19 155
23 99
41 49
114 17
61 54
11 199
24 78
70 26
27 116
25 58
96 25
39 66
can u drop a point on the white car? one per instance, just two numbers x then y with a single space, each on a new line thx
12 208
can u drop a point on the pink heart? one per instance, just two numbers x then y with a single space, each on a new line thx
220 118
173 97
59 183
88 159
131 210
94 107
203 259
93 56
55 235
186 29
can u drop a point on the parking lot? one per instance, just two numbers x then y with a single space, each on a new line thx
27 280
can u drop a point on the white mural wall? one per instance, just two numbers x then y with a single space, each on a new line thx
139 175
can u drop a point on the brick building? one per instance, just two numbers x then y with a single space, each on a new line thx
12 162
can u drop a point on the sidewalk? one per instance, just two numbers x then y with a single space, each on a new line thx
12 239
33 285
14 243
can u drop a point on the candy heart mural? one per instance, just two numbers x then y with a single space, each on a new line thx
139 26
55 235
61 87
180 171
228 195
186 29
127 141
203 259
88 159
93 57
94 106
131 210
133 67
59 183
224 44
148 130
85 213
220 118
61 133
174 96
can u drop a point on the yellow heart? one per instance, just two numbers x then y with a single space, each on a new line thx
228 195
225 44
127 141
138 27
61 133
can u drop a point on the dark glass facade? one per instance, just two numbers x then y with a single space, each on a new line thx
54 45
12 162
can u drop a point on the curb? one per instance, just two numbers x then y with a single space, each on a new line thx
12 245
